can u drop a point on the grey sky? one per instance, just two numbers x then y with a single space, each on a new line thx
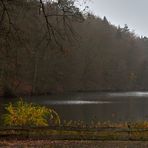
134 13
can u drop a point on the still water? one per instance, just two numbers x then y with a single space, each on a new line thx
121 106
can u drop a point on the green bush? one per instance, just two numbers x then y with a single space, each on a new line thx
26 114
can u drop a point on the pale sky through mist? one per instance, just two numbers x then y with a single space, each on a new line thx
134 13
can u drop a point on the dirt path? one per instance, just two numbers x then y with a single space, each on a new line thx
74 144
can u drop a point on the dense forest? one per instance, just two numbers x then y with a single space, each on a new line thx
54 47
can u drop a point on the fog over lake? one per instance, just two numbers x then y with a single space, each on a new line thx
88 106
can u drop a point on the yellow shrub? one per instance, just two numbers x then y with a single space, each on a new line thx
27 114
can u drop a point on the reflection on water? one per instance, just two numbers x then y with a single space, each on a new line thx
74 102
129 94
87 106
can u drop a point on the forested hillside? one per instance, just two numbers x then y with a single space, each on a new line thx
66 50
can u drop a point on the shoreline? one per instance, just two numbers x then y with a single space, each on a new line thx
71 92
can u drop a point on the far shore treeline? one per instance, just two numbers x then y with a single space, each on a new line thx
53 47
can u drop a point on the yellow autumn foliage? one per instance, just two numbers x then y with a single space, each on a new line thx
26 114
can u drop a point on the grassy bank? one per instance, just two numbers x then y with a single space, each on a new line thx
67 133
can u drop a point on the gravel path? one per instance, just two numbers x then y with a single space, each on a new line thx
73 144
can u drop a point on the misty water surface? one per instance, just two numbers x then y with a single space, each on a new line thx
127 106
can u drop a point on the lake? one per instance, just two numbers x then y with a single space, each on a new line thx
87 106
